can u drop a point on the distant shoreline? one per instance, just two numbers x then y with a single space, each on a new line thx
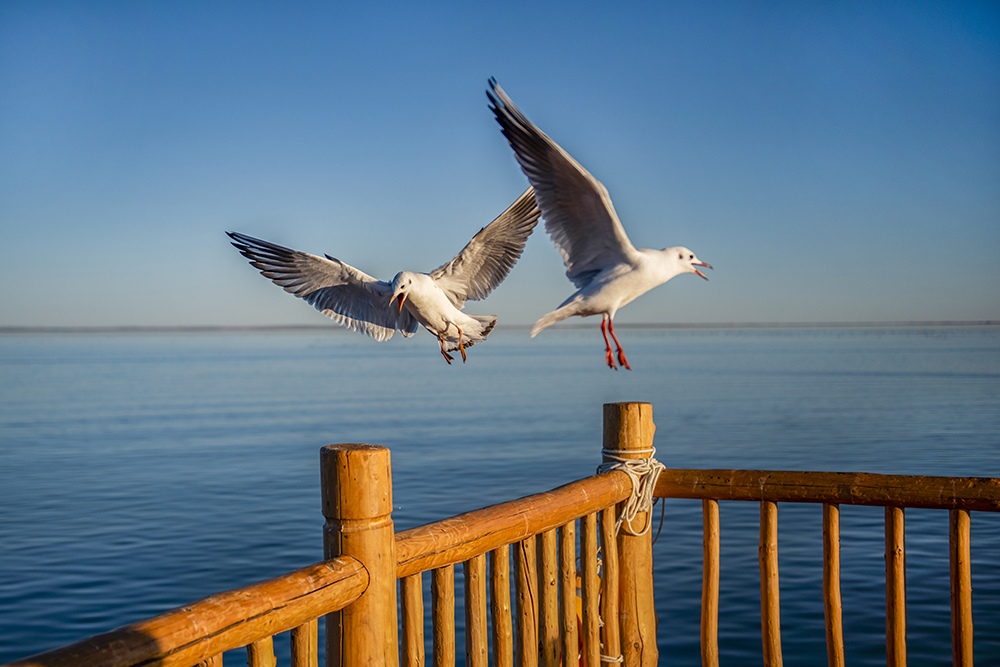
278 328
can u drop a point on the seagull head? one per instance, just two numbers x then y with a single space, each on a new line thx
401 286
688 261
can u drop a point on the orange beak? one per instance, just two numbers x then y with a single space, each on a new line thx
402 297
699 272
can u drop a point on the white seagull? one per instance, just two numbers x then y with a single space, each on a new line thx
606 268
359 302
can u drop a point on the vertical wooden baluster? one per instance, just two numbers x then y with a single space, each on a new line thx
770 614
503 633
412 600
527 602
610 633
629 427
261 653
961 588
476 646
567 584
591 590
443 609
548 600
831 585
710 584
305 645
356 483
895 588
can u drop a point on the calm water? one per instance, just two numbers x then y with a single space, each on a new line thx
141 472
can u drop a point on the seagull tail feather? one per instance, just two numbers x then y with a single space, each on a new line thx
557 315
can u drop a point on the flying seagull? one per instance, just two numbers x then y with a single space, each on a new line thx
606 268
361 303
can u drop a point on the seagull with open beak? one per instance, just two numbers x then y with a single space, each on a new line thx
435 300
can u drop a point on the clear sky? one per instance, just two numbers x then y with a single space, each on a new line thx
835 161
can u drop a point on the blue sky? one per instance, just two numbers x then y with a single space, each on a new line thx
833 161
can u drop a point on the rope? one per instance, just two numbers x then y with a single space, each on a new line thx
643 473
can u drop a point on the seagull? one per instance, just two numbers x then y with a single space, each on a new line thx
361 303
601 262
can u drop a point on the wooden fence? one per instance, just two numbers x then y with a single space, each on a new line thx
531 549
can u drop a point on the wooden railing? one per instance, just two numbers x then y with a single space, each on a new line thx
531 546
958 495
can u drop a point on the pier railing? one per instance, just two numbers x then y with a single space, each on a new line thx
563 586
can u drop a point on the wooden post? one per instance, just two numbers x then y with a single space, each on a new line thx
548 599
770 613
629 427
710 584
412 594
961 589
895 588
443 610
357 503
831 586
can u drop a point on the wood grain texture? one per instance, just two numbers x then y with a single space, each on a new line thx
832 607
225 621
412 604
770 611
610 633
895 588
526 590
461 537
304 644
261 653
548 599
710 584
356 488
961 588
569 621
846 488
503 629
629 430
476 644
591 591
443 610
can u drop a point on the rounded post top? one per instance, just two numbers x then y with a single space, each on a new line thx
356 481
629 426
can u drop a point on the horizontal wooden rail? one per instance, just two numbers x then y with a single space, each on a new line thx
194 633
461 537
848 488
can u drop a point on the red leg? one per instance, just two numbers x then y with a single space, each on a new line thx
621 353
607 344
461 347
447 357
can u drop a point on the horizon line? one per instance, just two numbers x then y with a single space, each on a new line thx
248 328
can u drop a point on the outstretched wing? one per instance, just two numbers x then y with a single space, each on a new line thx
490 255
577 209
350 297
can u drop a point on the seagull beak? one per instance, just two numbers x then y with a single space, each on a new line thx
402 297
709 266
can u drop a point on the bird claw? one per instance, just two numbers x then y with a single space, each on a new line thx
622 360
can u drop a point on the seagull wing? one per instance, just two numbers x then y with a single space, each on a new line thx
490 255
350 297
578 212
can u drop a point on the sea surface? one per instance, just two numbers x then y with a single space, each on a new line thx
143 471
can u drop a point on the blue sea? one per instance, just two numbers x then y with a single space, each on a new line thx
143 471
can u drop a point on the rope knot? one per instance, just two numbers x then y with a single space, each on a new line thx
643 473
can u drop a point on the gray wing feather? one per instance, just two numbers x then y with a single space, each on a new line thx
350 297
577 209
489 256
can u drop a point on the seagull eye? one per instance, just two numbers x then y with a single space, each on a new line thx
691 257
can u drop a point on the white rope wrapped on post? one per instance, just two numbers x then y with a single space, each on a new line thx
643 473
